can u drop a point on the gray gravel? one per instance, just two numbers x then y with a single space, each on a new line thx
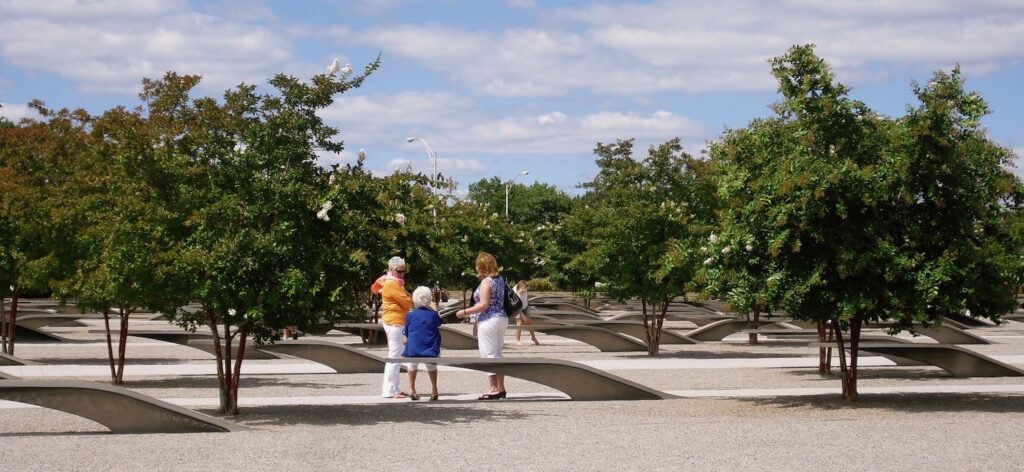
968 430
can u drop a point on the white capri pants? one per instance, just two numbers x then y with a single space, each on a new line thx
491 336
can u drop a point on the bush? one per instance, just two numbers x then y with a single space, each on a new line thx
541 285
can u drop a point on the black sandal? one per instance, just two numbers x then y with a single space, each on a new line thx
489 396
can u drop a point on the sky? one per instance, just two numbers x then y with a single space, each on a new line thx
497 88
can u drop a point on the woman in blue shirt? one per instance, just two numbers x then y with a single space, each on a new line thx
423 338
491 319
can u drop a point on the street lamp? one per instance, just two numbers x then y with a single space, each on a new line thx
433 159
508 187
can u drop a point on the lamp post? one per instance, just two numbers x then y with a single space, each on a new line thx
433 171
433 160
508 187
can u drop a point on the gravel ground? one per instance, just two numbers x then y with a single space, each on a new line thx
537 431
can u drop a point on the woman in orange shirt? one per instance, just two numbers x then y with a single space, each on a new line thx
396 303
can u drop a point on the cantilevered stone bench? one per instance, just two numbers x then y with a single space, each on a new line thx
604 340
42 320
370 333
341 358
566 314
7 359
562 306
719 330
119 409
452 338
629 328
958 361
951 335
203 342
578 381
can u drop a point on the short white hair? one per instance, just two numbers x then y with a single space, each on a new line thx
394 263
422 297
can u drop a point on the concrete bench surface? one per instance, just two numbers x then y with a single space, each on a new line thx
343 359
561 306
42 320
578 381
603 339
452 338
370 333
629 328
119 409
720 330
565 315
958 361
201 341
7 359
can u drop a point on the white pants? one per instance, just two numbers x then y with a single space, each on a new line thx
490 335
393 370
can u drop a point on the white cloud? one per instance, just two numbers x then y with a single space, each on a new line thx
129 40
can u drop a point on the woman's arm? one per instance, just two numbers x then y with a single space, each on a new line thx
481 306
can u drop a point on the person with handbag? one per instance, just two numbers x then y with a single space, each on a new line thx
491 319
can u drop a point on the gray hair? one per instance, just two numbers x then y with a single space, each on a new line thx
422 297
394 263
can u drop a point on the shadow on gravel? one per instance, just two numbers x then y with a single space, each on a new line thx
367 415
902 402
909 374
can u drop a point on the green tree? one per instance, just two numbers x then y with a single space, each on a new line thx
651 217
123 246
536 204
37 157
249 189
840 216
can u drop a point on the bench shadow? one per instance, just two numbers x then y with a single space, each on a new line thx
902 402
439 413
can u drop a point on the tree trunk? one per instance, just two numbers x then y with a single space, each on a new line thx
12 325
752 337
848 378
122 344
228 372
825 336
3 325
653 324
110 347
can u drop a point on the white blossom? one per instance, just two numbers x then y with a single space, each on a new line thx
231 311
400 218
322 214
713 238
709 261
327 205
749 247
345 71
333 68
726 250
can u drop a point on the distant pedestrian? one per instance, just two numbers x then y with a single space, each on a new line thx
523 317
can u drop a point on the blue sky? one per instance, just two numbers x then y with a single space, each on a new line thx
499 87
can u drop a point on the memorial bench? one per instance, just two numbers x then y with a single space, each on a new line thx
603 339
343 359
580 382
119 409
958 361
722 329
203 342
629 328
